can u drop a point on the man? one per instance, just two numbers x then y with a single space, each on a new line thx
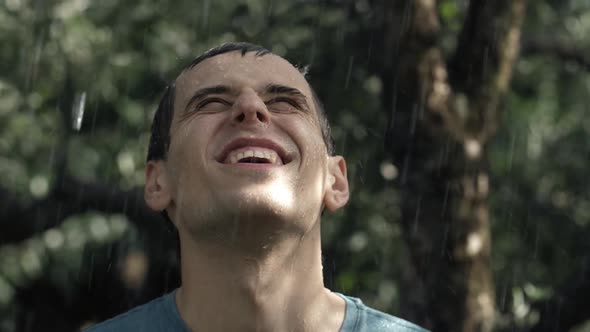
242 162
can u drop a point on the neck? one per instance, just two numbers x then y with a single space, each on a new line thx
278 287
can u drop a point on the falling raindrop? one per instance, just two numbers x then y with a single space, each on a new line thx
349 71
78 111
205 13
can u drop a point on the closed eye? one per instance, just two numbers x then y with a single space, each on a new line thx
212 104
283 104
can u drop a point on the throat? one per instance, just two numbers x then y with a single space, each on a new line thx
277 292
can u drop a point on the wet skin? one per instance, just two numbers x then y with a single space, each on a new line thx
231 97
249 232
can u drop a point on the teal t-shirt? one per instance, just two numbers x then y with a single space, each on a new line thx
161 315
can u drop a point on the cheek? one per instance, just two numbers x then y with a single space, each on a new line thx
306 130
194 134
188 149
313 168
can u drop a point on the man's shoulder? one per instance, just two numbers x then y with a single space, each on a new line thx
360 317
156 315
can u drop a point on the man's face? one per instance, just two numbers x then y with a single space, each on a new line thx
246 147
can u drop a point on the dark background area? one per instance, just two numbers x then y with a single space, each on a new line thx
464 124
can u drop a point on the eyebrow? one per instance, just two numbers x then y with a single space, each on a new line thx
282 89
214 90
287 90
274 89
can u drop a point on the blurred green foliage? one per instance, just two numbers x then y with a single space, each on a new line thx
122 54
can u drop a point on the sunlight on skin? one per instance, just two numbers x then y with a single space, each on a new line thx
271 196
250 232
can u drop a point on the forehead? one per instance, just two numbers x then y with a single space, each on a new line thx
238 72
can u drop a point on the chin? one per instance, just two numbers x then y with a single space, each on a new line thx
259 207
273 198
246 220
249 211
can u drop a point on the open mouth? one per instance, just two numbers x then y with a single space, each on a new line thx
253 155
254 151
254 160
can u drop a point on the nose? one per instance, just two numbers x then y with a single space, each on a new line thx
249 108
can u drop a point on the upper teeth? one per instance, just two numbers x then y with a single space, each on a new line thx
236 155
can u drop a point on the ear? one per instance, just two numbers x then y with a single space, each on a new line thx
157 188
336 194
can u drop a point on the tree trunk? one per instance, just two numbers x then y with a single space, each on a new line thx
442 117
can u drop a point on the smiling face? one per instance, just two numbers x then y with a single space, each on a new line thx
246 150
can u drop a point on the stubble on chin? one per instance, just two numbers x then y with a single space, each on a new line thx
253 220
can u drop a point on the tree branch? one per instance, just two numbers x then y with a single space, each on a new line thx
442 121
481 67
20 220
562 50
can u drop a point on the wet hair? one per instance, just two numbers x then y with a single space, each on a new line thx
160 135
